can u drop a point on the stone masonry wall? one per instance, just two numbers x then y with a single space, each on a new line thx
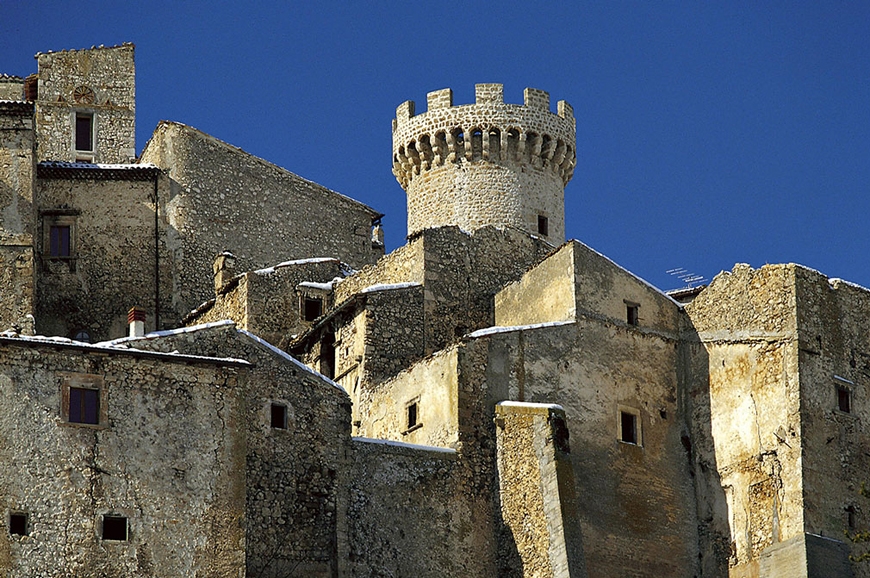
16 214
224 199
168 455
113 260
297 476
416 512
11 87
489 163
536 494
834 361
100 82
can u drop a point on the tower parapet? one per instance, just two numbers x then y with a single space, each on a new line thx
487 163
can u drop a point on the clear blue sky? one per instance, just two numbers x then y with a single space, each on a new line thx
708 133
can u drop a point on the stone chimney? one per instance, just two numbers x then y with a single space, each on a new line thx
224 269
136 319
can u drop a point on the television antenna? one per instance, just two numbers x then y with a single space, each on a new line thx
687 276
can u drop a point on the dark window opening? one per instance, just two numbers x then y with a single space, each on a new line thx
18 524
631 314
628 423
82 335
327 355
312 308
84 405
844 400
114 528
850 517
279 416
84 132
412 415
543 225
58 241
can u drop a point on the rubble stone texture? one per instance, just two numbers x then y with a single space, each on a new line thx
486 400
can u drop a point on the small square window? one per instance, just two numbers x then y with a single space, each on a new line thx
279 416
84 132
59 235
83 399
18 524
844 400
114 528
543 225
84 405
631 313
312 308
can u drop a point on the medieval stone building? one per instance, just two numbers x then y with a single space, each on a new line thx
486 400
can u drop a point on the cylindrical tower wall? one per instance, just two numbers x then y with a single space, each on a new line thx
489 163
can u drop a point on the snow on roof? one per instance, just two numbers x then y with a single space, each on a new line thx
291 359
531 405
493 330
405 445
270 270
322 286
388 287
169 332
116 346
225 323
82 165
834 281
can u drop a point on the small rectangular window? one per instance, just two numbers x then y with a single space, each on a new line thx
631 313
543 225
844 400
84 132
312 308
114 528
279 416
18 524
84 405
628 432
59 245
412 415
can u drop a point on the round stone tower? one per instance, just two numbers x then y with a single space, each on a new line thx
487 163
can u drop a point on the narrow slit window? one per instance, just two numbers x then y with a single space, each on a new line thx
628 428
543 225
84 405
114 528
279 416
18 524
844 400
85 132
412 415
631 313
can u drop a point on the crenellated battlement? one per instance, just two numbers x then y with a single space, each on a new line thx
489 130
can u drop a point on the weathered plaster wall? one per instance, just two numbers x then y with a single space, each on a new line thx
543 294
433 385
224 199
745 410
100 82
113 258
169 457
17 274
298 476
635 502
